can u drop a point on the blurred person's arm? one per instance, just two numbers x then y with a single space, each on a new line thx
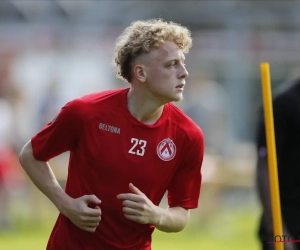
76 210
263 186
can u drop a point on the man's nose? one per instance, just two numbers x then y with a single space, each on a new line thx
184 73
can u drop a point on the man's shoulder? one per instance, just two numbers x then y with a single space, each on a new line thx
184 122
100 96
284 97
96 98
94 102
287 90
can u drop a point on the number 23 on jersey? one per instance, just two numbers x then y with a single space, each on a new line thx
138 147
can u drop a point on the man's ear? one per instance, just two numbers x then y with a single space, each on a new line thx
140 73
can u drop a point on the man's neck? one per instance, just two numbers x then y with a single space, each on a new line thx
144 107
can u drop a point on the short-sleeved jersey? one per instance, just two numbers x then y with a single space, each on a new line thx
286 108
109 149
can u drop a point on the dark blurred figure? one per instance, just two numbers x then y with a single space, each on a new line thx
286 110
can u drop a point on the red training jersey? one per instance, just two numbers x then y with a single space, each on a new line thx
109 149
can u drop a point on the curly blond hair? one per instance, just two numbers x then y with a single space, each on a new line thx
142 36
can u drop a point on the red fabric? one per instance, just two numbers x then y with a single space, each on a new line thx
109 149
10 172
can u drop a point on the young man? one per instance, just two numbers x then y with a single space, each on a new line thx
127 148
286 107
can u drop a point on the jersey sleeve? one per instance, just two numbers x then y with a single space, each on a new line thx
60 135
184 189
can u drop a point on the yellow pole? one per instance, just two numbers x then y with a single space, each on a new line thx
272 159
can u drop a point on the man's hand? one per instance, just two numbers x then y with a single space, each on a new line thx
137 207
81 214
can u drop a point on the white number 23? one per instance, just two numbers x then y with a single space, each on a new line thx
138 151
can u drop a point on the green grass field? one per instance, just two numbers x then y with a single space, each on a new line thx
228 230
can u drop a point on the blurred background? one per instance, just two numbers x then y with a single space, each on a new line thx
54 51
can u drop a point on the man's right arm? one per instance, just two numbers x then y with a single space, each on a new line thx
42 176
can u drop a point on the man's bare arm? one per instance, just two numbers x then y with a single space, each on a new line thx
137 207
173 219
42 176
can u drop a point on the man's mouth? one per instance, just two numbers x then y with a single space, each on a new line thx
180 86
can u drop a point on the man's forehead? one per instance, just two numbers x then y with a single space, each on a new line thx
168 50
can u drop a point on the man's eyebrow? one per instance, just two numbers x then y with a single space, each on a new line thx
176 59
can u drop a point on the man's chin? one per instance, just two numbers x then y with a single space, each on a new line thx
173 98
178 98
